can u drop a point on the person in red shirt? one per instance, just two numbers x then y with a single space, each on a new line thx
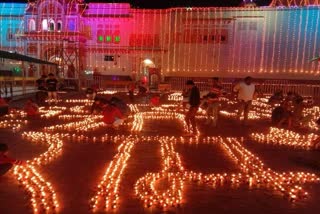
6 162
31 108
112 116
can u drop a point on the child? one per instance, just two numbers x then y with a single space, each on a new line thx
112 116
31 108
6 163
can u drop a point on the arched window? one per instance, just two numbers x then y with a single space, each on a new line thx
45 24
32 25
51 25
59 26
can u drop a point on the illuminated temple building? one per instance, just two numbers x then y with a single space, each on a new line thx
115 39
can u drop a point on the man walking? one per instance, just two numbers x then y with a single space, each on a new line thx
246 91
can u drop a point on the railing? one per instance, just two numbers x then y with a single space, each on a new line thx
16 86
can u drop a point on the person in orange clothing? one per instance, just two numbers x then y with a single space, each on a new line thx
31 108
6 162
112 116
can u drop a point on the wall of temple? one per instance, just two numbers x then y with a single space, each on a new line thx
115 39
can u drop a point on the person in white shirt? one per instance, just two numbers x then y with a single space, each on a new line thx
246 91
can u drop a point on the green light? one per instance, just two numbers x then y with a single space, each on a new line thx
100 38
108 38
117 39
17 70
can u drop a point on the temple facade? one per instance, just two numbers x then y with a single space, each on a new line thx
115 39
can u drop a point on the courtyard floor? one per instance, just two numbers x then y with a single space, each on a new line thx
212 180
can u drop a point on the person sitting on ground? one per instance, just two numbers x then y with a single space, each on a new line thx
4 107
98 105
31 108
6 162
281 115
298 117
112 115
155 100
121 105
91 93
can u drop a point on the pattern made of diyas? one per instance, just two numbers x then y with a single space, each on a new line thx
43 197
159 114
14 124
107 195
253 173
51 111
277 136
252 170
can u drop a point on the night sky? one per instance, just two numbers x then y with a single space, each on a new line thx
173 3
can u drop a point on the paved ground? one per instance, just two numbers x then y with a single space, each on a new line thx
77 171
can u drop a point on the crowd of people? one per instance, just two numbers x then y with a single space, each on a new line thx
211 102
286 110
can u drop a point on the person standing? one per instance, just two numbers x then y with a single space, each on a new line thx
194 102
213 102
246 91
131 88
42 91
52 88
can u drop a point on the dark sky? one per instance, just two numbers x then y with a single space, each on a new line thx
173 3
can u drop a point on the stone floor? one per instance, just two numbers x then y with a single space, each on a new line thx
77 171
